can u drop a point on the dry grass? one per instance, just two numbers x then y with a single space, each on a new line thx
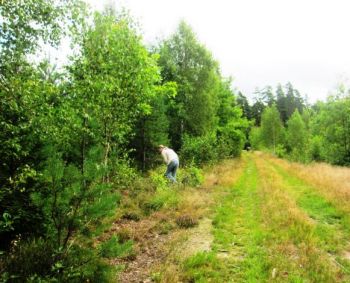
332 182
194 202
292 244
225 173
197 203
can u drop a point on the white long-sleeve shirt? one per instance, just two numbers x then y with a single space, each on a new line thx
169 155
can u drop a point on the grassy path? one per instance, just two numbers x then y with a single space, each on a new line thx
270 225
331 222
236 254
310 241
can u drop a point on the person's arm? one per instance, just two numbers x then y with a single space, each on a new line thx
165 156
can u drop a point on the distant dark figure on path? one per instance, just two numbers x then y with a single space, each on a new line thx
172 161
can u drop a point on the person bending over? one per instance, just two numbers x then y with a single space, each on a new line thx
172 161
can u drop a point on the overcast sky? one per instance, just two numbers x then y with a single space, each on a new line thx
259 42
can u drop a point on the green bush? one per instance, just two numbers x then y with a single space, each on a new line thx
191 176
83 264
316 148
230 141
37 261
255 138
124 175
158 179
27 258
281 151
114 248
198 150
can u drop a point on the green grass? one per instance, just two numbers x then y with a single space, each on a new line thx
237 229
163 198
332 224
295 249
204 267
272 227
237 255
114 249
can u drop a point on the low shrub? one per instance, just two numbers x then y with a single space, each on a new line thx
198 150
113 248
164 227
281 151
157 178
124 235
186 221
131 215
163 198
37 260
230 141
27 258
191 176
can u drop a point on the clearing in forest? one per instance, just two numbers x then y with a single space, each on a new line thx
260 219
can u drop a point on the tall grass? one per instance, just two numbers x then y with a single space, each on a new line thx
332 181
294 248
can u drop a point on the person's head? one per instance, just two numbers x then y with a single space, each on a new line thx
161 147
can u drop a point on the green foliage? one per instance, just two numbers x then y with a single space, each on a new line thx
188 63
281 151
231 140
124 175
113 81
242 101
30 257
297 137
24 100
257 110
36 260
198 150
70 138
203 267
320 133
74 198
331 124
272 130
113 248
287 100
25 23
84 264
157 179
316 148
191 176
255 138
152 129
163 198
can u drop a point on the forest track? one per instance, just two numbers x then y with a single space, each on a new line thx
264 223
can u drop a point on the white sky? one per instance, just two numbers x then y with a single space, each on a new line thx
259 42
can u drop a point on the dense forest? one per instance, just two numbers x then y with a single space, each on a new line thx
74 139
286 124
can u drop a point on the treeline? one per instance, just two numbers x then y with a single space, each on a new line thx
73 138
288 126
